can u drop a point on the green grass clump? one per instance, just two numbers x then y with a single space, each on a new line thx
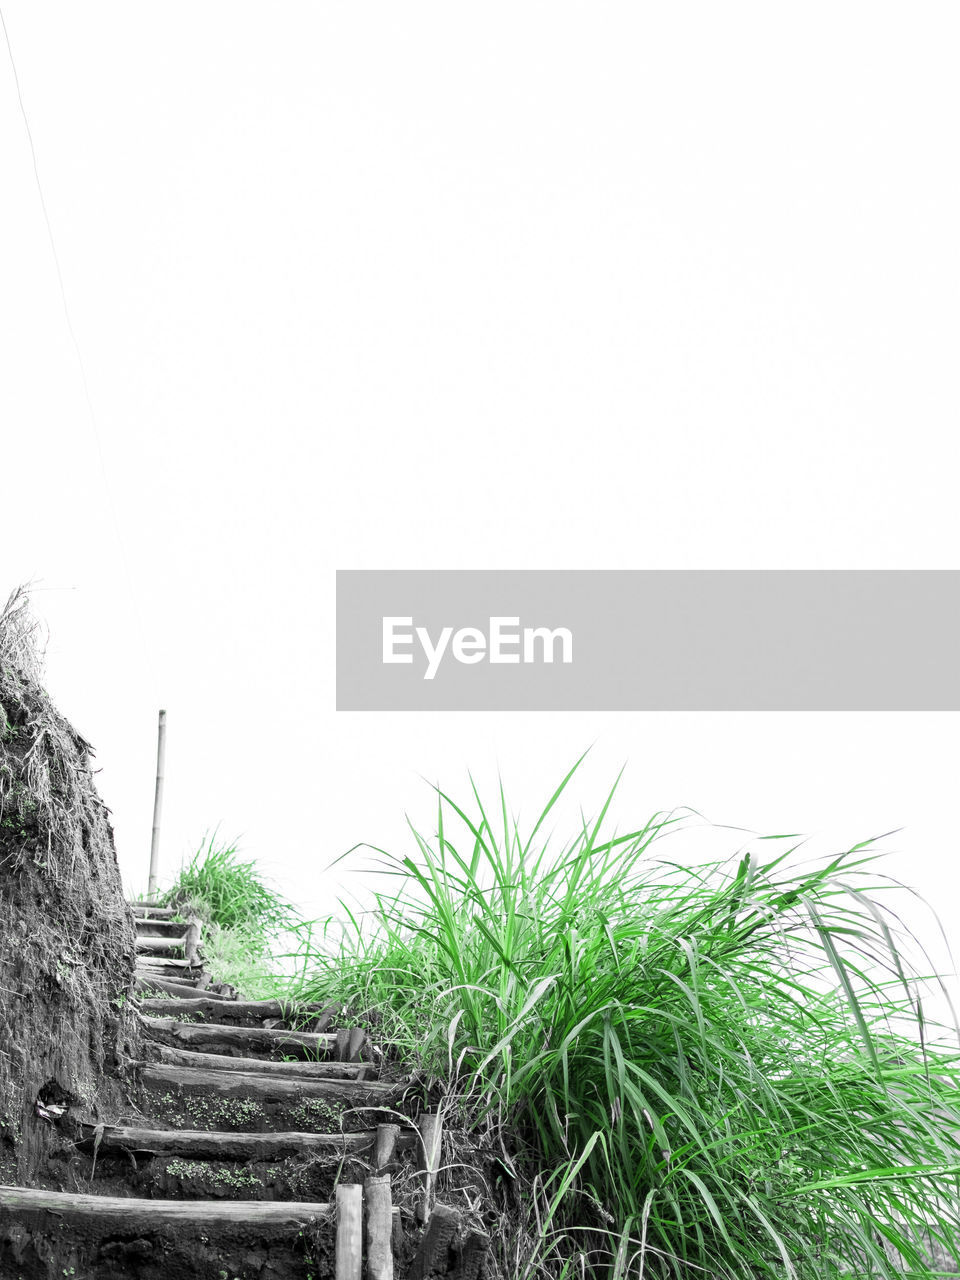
719 1071
229 892
243 917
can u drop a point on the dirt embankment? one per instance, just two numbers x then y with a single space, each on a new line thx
67 944
136 1140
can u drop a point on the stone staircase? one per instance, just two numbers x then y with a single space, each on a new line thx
271 1145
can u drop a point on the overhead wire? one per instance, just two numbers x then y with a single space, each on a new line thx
132 596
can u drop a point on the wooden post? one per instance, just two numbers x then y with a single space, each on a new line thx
435 1243
431 1131
385 1145
379 1228
349 1253
355 1043
157 805
474 1255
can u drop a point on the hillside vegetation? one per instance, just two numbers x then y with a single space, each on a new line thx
647 1069
244 918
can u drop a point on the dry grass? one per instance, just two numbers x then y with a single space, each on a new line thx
19 630
40 785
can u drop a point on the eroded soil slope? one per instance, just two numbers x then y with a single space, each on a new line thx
66 939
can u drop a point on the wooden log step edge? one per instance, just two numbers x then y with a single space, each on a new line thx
324 1013
188 987
149 912
147 1213
263 1066
148 928
212 1144
211 1037
242 1084
152 942
146 968
185 987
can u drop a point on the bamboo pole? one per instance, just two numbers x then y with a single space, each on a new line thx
379 1228
349 1252
431 1131
157 805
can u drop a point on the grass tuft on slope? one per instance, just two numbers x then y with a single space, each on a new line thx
244 918
662 1071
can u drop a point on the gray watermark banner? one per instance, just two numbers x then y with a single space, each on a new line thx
648 640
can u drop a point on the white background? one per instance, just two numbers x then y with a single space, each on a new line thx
437 286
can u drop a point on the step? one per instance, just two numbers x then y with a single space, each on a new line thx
147 911
264 1088
212 1037
151 944
264 1066
158 963
156 969
214 1145
322 1015
147 928
153 983
119 1211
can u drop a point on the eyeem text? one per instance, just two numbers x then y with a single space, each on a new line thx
503 641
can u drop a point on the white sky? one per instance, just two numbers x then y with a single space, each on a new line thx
436 286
